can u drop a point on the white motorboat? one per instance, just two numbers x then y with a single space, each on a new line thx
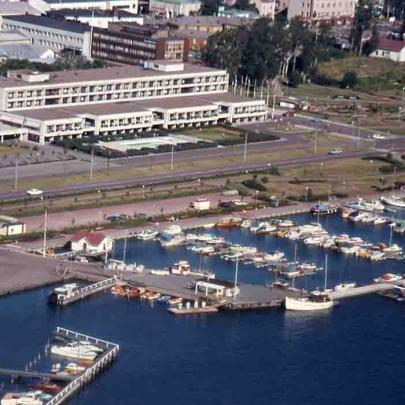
286 224
63 292
394 201
375 205
266 229
350 250
246 223
23 398
393 250
180 268
274 256
377 255
147 234
170 241
314 240
172 230
313 303
344 286
388 277
379 220
78 352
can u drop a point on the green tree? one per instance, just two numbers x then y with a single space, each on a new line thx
349 80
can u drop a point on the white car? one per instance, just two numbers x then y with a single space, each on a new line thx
34 191
336 151
378 136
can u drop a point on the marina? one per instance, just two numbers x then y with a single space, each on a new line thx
75 375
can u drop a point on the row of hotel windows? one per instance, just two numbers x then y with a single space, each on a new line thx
112 97
112 87
120 41
37 32
329 5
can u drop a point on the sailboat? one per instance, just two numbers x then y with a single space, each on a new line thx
317 301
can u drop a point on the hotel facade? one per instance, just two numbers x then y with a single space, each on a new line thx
121 99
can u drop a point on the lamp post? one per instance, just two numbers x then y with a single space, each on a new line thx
143 191
268 169
306 193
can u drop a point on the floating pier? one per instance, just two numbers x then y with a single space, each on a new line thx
105 359
87 291
362 290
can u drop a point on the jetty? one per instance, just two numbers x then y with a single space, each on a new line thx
364 290
87 291
111 351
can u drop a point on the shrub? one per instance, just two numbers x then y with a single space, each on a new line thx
254 184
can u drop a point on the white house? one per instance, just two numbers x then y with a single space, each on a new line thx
388 48
219 288
91 242
11 226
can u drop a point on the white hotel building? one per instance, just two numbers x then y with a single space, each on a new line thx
121 99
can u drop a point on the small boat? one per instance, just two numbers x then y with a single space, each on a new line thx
175 300
393 250
394 201
151 295
379 220
208 226
388 277
23 398
181 268
172 230
229 222
147 234
266 229
61 293
49 388
274 256
376 255
171 240
286 224
74 352
315 302
344 286
246 223
74 369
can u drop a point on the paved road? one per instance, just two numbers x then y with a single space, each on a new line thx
80 166
179 176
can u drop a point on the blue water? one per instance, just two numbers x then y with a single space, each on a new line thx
354 354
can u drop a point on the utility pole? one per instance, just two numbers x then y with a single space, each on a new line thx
245 149
236 277
172 159
124 255
316 140
91 163
45 228
16 175
274 105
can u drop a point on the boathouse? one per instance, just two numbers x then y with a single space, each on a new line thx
91 242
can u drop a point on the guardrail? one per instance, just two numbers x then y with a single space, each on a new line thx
90 372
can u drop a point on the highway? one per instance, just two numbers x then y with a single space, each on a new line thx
178 176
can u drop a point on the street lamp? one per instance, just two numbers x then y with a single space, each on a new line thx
143 191
306 193
257 197
268 169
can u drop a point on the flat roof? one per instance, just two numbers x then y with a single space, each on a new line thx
127 107
95 13
105 74
50 22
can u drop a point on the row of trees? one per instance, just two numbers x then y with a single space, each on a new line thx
267 49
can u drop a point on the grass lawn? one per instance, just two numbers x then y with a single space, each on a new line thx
213 134
5 150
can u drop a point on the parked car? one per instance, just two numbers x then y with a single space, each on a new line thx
34 191
113 218
336 151
274 202
378 136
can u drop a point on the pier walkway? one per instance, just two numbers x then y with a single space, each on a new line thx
87 291
363 290
105 359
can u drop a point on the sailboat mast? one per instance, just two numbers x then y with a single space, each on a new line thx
326 271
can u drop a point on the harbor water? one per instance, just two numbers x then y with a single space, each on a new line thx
352 354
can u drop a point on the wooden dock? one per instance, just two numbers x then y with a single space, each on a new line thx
111 351
88 290
362 290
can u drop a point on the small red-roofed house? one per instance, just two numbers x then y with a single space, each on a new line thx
389 48
92 242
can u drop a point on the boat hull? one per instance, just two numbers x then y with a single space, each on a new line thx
293 304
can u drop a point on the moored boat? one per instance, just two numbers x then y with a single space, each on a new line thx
312 303
229 222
